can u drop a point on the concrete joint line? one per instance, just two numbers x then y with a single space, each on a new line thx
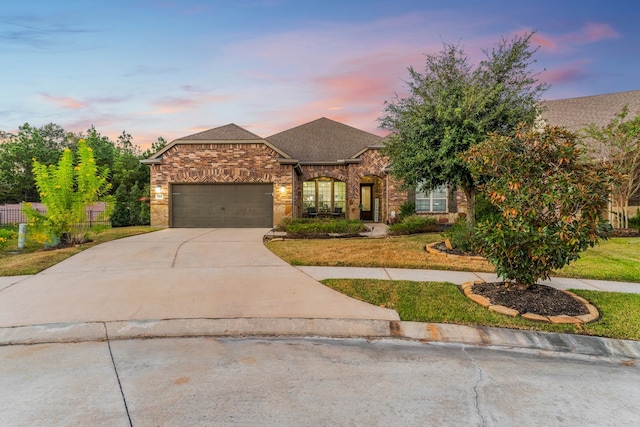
479 278
13 284
115 370
387 273
175 256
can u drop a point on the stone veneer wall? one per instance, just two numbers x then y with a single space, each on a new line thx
387 188
231 162
370 169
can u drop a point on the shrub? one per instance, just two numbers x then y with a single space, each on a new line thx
550 201
634 222
319 226
484 208
413 224
406 210
5 237
461 235
66 190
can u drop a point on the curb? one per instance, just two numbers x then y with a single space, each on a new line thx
329 328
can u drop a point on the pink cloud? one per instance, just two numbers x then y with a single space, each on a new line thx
567 73
545 42
594 32
76 104
180 104
591 32
64 101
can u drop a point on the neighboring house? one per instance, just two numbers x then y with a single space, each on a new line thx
230 177
577 113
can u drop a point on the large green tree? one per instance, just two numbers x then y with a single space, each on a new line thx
127 168
452 106
44 144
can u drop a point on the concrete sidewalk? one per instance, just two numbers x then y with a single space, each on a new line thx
457 277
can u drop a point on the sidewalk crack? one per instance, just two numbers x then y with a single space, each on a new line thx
476 384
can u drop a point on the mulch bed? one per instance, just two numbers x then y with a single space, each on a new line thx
537 299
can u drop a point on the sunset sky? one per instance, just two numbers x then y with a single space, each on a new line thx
172 68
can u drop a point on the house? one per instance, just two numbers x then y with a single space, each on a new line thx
230 177
575 114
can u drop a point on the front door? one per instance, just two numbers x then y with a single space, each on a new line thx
366 202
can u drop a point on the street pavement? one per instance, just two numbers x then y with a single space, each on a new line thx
205 381
65 335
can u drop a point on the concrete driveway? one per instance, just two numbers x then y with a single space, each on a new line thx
176 274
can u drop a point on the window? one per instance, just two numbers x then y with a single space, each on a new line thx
432 201
324 194
308 195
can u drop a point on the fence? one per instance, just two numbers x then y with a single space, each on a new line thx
12 214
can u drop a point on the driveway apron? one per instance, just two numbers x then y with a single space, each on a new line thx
176 274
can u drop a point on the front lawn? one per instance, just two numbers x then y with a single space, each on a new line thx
441 302
390 252
616 259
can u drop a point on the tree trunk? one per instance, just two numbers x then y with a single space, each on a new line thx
625 214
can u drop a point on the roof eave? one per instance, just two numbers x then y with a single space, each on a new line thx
217 141
151 161
331 162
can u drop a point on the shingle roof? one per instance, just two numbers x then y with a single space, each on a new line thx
576 113
230 132
324 140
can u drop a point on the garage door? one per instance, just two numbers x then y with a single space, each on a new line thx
222 205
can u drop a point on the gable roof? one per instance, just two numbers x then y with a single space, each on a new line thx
576 113
230 132
220 135
324 140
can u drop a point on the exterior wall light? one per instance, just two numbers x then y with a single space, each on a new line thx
283 189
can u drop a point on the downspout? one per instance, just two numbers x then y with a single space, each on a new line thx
387 195
294 206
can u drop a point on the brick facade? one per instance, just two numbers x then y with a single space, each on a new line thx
219 163
232 155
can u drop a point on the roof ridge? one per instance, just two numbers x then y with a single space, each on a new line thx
593 96
224 128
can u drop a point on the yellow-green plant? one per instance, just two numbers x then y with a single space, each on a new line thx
5 237
66 189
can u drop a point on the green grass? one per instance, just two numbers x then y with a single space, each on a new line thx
441 302
616 259
34 258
